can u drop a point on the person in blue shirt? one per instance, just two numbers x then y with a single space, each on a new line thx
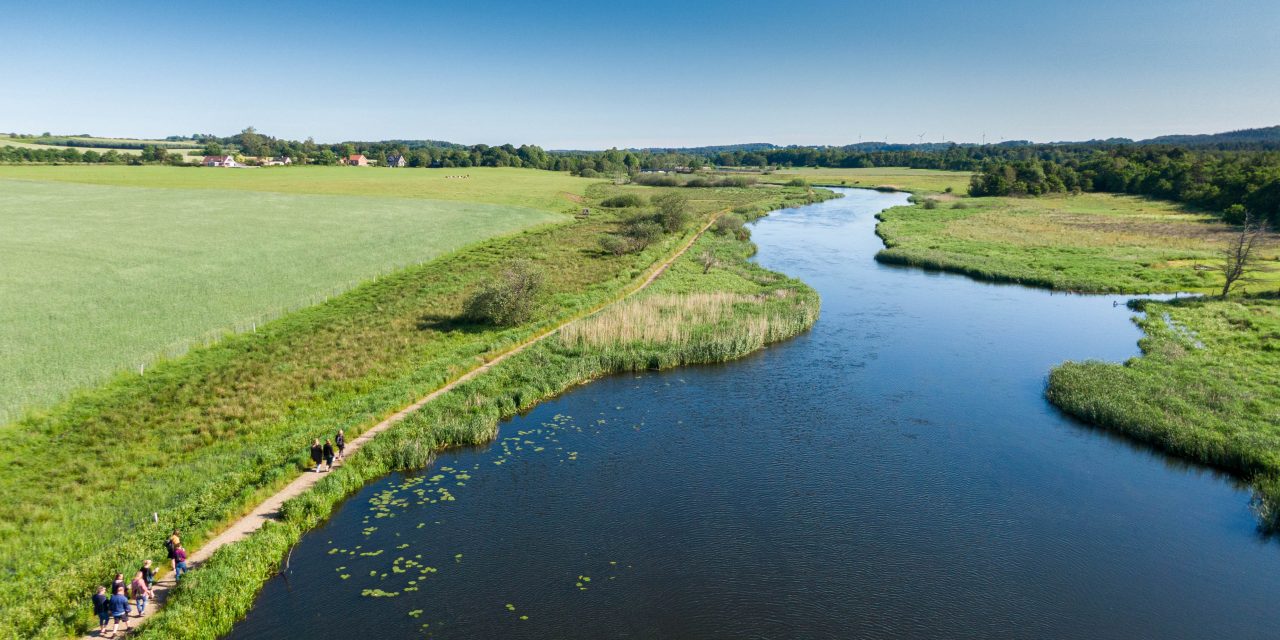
119 607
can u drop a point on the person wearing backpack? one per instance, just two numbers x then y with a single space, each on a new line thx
170 545
341 441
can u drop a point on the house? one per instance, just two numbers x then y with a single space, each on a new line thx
357 160
396 160
220 161
278 161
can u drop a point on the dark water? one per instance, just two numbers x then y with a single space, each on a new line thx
895 473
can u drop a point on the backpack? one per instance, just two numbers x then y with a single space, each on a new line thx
168 545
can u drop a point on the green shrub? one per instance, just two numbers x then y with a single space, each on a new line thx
732 226
509 299
672 211
623 201
797 182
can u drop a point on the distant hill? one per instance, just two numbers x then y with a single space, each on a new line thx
1262 137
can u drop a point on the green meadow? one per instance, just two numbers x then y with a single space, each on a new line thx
547 190
1090 242
100 277
921 181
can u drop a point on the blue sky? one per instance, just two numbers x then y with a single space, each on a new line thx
599 74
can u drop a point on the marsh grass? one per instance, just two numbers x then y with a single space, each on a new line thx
1205 388
1087 243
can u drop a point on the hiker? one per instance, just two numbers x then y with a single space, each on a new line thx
328 454
170 544
317 453
141 592
341 441
118 583
102 607
180 556
119 607
148 573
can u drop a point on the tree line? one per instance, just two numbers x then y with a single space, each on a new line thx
1235 184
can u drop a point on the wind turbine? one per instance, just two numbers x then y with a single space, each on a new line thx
920 139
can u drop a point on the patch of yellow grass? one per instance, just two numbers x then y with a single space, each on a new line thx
669 319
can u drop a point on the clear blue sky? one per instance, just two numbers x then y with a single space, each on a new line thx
599 74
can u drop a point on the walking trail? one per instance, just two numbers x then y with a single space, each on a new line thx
269 509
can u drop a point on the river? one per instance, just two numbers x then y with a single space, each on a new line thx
894 473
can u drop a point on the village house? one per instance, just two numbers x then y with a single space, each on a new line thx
357 160
396 160
279 161
220 161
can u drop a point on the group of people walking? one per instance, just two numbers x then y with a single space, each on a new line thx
113 604
324 454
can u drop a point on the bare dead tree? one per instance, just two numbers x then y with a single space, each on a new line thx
708 260
1239 256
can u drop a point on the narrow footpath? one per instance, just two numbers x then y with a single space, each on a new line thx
269 509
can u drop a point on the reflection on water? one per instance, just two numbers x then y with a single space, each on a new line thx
894 473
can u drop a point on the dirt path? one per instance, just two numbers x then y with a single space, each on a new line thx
269 509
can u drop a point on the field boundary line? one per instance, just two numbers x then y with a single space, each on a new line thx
269 509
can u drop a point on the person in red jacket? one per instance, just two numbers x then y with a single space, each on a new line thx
180 559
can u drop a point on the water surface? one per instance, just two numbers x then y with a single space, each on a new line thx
894 473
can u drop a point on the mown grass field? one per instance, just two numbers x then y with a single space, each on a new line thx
200 438
546 190
99 278
1090 242
35 144
688 316
921 181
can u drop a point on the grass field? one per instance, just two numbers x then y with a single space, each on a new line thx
198 438
1090 242
726 313
922 181
30 143
98 279
547 190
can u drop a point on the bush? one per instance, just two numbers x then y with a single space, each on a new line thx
673 211
622 201
930 203
960 205
797 182
510 299
657 180
732 226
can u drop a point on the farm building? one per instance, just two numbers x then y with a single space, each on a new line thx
396 160
357 160
219 161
